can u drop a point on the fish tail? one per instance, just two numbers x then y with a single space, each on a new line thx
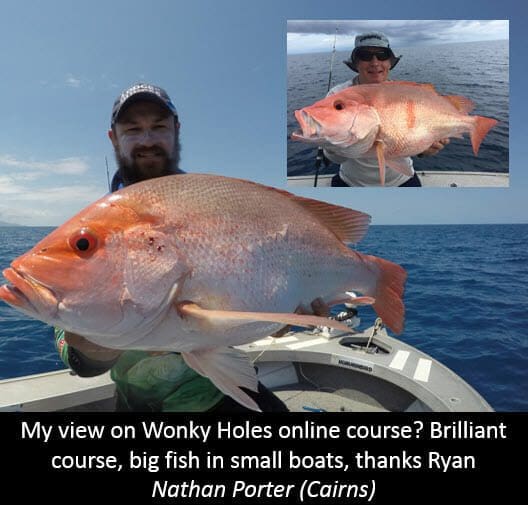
481 126
388 291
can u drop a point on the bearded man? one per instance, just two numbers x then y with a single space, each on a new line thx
145 135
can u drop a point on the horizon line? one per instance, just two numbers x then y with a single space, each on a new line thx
403 47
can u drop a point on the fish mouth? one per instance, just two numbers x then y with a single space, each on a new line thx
26 293
310 128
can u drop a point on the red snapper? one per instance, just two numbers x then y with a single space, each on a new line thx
197 264
389 121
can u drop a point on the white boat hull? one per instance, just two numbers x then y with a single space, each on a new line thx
429 178
309 371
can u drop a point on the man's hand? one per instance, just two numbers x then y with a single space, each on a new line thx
92 351
318 308
435 148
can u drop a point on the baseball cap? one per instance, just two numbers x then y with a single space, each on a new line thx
371 39
142 91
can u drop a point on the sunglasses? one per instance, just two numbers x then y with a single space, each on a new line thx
382 55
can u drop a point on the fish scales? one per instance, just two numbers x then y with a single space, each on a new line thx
413 123
265 240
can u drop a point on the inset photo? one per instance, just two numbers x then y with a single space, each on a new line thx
398 103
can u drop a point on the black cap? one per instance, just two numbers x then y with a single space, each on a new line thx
142 91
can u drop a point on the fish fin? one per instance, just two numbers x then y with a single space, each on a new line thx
352 300
426 85
389 292
189 309
480 129
429 86
348 225
461 103
381 160
297 135
400 165
229 370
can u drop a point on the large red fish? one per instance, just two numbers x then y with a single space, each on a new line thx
389 121
196 264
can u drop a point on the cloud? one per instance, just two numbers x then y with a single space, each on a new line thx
26 215
63 166
48 206
73 82
315 35
65 194
353 27
8 186
43 193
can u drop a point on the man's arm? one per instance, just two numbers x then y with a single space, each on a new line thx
82 356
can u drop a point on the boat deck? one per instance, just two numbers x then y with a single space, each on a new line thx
389 375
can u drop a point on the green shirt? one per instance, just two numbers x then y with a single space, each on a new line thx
155 383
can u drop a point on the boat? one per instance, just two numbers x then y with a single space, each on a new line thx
322 370
429 178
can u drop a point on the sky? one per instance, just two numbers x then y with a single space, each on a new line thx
312 36
224 65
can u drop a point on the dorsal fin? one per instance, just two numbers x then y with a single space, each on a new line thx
461 103
348 225
426 85
429 86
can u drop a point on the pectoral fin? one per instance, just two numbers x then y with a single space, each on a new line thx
381 161
189 309
229 370
401 165
357 300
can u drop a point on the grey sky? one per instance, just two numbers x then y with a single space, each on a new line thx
314 35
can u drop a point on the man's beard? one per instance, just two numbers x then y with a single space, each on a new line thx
132 172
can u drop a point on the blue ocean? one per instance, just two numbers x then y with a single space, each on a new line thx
466 300
476 70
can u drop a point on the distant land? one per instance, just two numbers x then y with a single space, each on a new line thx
3 223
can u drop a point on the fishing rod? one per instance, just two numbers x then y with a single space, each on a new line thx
107 174
320 154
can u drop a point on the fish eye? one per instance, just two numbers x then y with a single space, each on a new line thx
84 242
339 105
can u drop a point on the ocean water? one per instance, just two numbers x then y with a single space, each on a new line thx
476 70
466 300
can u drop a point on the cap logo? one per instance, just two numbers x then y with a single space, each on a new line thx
139 88
142 88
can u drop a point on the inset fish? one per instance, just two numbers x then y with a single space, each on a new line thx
389 121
